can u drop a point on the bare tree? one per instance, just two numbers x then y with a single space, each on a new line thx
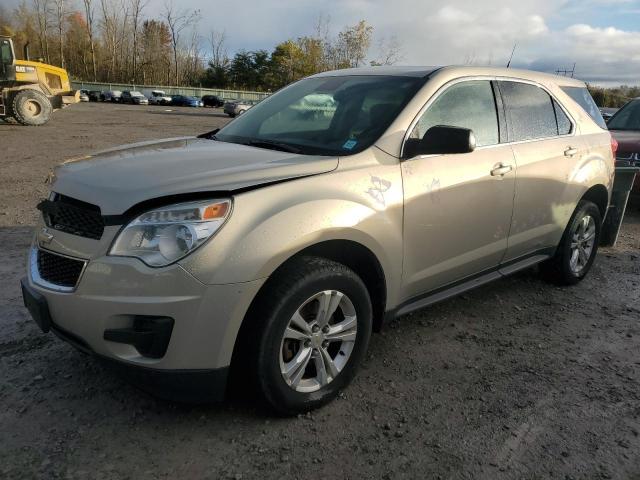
88 13
389 51
136 13
177 21
41 8
111 34
217 41
60 19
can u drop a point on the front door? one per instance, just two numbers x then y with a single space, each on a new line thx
457 207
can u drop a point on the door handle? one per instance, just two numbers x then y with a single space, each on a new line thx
501 170
570 152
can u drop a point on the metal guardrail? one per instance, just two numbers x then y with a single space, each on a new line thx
191 91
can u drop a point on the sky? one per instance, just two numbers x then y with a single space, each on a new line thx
602 37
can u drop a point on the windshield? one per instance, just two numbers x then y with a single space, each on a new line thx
325 115
628 118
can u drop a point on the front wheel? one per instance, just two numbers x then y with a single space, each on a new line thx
32 108
313 325
578 247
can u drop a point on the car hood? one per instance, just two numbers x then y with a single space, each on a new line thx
120 178
628 140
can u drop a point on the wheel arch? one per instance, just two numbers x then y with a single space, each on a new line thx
352 254
599 195
358 258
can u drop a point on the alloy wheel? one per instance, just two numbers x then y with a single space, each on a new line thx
318 341
582 244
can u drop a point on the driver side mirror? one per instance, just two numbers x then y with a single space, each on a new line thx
441 140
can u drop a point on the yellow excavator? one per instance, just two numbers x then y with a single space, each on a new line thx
31 91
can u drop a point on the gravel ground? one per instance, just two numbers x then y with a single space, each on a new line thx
517 379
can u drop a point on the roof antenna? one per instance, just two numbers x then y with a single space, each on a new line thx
512 52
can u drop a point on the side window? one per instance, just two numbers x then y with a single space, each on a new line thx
530 112
467 104
564 124
6 57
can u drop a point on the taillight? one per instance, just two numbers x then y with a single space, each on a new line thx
614 147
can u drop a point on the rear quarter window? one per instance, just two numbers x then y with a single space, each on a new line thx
564 124
583 98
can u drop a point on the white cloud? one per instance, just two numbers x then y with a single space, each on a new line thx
448 31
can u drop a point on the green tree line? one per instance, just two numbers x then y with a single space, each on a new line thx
613 97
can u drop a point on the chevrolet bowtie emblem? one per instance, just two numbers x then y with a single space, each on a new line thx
45 237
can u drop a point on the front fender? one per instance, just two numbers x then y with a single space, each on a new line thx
271 224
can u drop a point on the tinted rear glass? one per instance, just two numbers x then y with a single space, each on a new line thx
627 118
583 98
530 113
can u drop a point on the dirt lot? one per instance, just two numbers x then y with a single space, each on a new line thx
518 379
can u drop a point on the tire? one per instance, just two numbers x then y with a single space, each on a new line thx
578 247
32 108
301 286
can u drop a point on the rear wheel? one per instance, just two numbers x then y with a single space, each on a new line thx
578 247
30 107
311 329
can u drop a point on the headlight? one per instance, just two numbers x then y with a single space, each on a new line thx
164 235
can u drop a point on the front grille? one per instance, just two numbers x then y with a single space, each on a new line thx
59 270
73 216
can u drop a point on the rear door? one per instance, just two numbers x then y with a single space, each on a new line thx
546 151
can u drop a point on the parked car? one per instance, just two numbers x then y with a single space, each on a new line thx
159 97
111 96
184 101
134 97
625 128
212 101
95 95
234 108
607 113
84 96
415 187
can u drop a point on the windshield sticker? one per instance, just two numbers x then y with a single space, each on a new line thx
349 144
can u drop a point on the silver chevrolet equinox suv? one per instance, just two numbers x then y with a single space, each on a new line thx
270 249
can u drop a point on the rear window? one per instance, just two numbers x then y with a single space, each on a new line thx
530 112
583 98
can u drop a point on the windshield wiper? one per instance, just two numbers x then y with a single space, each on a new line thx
284 147
210 135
